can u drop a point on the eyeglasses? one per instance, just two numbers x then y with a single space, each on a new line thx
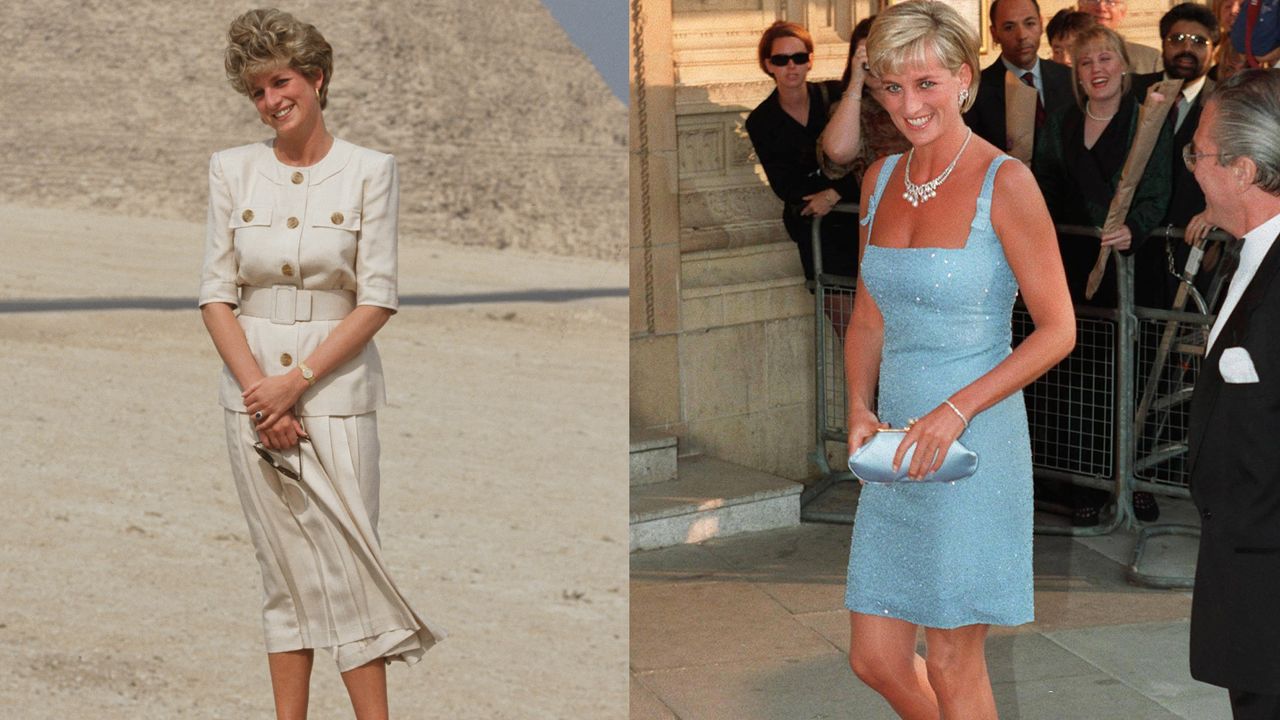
1106 3
1179 38
1189 156
781 60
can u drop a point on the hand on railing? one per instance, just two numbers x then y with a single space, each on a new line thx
1198 228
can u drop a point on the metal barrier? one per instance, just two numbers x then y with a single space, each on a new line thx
1135 363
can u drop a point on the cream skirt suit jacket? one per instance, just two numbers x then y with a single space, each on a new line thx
295 249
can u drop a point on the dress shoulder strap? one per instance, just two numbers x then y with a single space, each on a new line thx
982 216
881 181
989 182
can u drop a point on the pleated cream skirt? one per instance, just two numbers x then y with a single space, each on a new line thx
324 582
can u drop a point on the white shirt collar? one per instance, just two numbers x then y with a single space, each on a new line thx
1191 90
1257 242
1035 69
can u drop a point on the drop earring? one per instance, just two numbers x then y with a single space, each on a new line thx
964 96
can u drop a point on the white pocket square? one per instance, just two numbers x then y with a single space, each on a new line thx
1237 367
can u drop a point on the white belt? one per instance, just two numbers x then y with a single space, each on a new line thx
286 304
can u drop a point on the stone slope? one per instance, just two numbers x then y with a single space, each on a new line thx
505 134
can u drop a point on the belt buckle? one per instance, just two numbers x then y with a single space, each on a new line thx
284 304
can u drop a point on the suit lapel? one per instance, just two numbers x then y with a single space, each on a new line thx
1233 331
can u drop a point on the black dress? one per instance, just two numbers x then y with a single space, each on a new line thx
788 152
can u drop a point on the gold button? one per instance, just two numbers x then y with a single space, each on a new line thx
247 216
287 270
286 359
336 218
297 178
293 223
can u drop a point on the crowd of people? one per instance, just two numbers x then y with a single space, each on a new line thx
815 142
961 174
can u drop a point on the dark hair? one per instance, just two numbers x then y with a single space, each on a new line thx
860 33
1067 22
1196 13
991 11
781 29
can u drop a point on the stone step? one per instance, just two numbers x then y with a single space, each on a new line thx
712 498
653 457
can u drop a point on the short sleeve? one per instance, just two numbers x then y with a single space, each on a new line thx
376 246
218 274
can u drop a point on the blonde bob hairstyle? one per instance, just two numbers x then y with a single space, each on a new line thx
1103 38
267 39
905 34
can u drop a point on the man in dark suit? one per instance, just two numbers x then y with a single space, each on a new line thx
1190 34
1235 411
1016 27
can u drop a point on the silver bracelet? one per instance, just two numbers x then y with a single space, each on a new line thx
956 410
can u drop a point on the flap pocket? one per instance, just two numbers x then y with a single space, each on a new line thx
250 216
338 220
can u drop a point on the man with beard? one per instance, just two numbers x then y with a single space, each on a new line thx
1142 59
1016 27
1190 34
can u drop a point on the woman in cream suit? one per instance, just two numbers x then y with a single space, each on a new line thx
301 239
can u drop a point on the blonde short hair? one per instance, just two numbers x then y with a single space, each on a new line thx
903 35
267 39
1098 35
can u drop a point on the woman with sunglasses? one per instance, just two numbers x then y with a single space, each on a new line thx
301 238
784 131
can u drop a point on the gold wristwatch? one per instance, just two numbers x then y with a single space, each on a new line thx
307 373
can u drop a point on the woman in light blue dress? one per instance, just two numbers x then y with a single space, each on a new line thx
950 233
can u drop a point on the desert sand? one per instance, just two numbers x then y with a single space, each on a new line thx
128 586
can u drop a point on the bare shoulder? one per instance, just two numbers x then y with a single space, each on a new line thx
1015 185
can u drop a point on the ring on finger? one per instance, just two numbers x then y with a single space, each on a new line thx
258 416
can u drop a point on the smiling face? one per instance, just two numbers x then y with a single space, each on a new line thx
923 98
1099 70
1017 30
1218 182
1187 59
791 75
286 100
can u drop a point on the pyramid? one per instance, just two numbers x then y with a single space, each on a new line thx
505 134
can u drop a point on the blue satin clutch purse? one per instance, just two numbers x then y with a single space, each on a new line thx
873 462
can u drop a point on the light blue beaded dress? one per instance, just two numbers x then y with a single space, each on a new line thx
944 555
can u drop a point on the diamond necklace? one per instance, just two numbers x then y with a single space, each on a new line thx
917 194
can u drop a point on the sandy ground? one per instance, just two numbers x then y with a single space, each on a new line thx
128 587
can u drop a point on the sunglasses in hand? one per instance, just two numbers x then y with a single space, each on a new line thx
276 462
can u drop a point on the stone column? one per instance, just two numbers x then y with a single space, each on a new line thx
655 220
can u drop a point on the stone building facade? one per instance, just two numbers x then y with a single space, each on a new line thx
722 349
